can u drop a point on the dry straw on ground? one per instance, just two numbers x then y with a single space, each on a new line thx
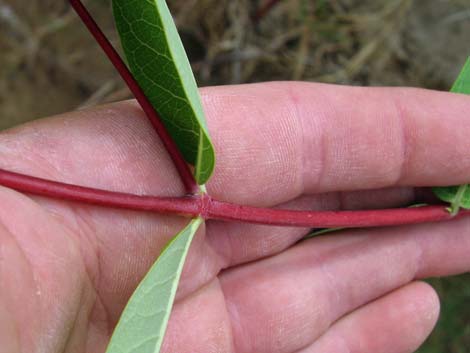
49 63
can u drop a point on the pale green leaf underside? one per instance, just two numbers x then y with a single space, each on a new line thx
159 63
457 196
142 325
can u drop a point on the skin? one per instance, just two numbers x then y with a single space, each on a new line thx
67 269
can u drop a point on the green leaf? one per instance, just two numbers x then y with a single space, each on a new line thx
323 231
458 196
159 63
462 84
143 323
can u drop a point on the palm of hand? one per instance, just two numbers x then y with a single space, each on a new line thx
68 269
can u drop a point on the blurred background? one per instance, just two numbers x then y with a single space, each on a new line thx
49 64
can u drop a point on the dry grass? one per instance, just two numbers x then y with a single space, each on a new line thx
49 63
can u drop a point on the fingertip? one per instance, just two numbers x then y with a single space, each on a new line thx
426 305
398 322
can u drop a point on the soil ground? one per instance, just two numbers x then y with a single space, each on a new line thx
49 64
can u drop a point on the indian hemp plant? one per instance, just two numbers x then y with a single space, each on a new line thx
160 77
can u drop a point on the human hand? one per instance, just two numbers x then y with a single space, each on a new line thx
67 269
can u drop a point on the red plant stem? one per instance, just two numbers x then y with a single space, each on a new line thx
328 219
264 10
180 164
185 206
208 208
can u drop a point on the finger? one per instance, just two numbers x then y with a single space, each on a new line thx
190 332
12 314
276 141
305 289
396 323
8 329
273 142
111 147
